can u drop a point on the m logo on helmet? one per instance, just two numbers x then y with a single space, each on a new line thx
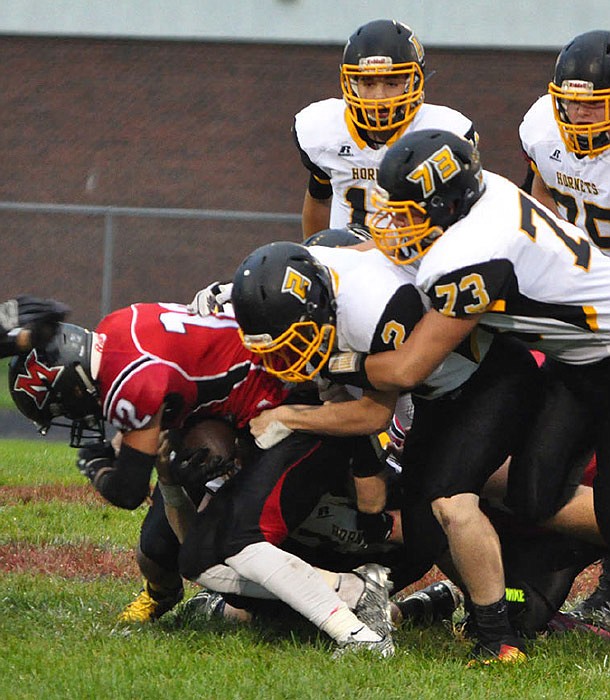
296 284
442 162
38 380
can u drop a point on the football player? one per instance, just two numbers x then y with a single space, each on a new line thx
297 305
566 135
342 141
537 276
27 322
149 367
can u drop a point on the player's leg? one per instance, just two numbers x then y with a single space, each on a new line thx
455 444
157 558
253 514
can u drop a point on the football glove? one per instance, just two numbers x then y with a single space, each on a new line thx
211 299
95 456
194 468
24 311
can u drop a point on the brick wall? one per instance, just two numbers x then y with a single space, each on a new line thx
188 125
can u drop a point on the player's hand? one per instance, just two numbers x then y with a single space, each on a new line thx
28 312
260 423
194 468
211 299
93 457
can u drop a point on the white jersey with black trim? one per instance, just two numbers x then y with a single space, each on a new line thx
579 185
532 273
329 138
377 307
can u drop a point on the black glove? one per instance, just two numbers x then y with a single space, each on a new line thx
194 468
376 527
40 316
95 456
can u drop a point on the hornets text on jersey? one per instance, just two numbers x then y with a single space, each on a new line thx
580 186
334 151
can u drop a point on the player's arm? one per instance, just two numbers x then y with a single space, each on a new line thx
370 414
542 193
179 508
432 339
123 478
315 215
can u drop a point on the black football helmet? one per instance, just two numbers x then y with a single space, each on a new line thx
383 48
582 75
54 383
336 238
284 303
432 175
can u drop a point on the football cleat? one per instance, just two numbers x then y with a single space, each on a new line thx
431 604
149 605
595 610
384 647
204 605
565 622
373 606
505 652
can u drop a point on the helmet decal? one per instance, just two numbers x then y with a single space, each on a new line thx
442 162
428 180
38 381
296 283
419 49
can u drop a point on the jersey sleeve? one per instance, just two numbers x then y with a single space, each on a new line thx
402 312
473 289
319 185
132 404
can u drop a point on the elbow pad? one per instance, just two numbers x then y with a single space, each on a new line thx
128 483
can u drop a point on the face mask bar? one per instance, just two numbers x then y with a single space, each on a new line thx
370 114
581 139
298 354
395 232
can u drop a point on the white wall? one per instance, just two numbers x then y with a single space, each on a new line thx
473 23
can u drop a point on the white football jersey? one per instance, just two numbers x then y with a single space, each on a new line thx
535 274
377 307
330 140
580 186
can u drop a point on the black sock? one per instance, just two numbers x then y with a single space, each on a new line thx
491 621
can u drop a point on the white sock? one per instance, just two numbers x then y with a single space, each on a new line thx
343 624
291 579
224 579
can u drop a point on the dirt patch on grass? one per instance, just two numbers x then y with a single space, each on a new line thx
69 561
88 562
12 495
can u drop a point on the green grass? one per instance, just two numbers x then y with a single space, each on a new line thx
5 398
38 462
59 639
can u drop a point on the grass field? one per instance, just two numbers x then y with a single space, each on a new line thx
66 570
5 397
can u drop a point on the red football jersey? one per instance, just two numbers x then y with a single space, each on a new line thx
156 353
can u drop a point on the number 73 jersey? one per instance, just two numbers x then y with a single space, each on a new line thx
159 354
529 272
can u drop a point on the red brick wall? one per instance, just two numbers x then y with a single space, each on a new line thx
187 125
